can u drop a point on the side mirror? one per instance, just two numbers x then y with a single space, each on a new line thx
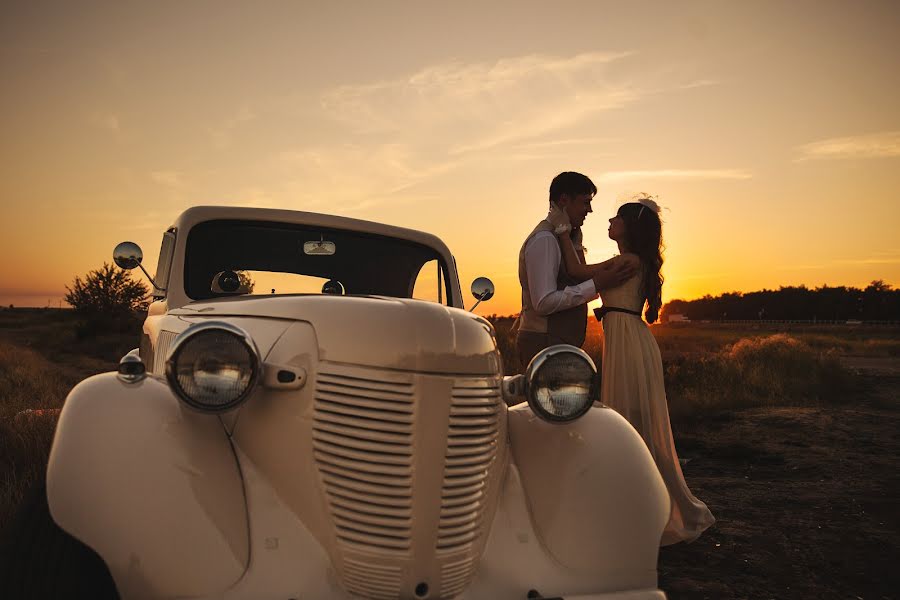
482 289
128 255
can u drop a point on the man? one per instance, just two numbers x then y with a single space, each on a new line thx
554 305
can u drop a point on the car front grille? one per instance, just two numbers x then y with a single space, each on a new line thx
455 576
377 581
362 443
163 341
364 431
471 448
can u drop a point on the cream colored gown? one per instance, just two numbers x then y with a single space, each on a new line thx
632 384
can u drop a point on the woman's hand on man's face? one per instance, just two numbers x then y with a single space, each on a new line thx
559 219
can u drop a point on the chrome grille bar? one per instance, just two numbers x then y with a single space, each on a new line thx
362 443
471 449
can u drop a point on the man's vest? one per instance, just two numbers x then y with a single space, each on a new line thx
569 325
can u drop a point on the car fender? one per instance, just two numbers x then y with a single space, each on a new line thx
152 486
581 511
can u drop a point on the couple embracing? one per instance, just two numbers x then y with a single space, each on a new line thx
557 284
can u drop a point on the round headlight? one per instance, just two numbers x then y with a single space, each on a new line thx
561 383
213 366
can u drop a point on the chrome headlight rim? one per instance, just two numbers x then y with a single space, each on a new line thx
540 359
187 335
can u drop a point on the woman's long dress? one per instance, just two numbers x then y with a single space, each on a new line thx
632 384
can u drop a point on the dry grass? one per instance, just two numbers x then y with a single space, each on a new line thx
27 381
773 370
43 354
724 368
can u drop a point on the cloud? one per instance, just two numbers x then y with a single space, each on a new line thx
482 105
554 144
676 174
107 121
171 179
362 175
255 197
697 84
870 261
704 276
877 258
223 135
373 143
876 145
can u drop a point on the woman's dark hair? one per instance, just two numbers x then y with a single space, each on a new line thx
643 236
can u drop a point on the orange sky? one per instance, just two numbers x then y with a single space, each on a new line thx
770 131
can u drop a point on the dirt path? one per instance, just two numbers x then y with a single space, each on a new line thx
807 499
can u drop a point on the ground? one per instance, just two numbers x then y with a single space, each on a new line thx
807 500
807 497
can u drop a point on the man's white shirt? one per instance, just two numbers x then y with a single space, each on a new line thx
542 260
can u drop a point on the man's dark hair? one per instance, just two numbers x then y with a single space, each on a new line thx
571 183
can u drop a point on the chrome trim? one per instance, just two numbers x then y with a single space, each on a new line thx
513 388
131 368
163 344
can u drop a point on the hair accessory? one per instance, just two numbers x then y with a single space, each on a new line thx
648 202
641 211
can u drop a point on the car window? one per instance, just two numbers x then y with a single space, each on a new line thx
265 282
224 257
164 265
429 284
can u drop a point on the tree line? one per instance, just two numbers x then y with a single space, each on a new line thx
879 301
108 298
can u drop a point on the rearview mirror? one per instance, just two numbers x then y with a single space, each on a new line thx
320 248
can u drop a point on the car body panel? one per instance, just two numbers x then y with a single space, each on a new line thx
153 487
390 333
554 524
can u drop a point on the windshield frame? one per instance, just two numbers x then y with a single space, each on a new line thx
197 293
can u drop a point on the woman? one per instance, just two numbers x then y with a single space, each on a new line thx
632 381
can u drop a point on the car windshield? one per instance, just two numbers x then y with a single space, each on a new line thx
225 258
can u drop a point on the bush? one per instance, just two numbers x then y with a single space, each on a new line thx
108 299
506 343
761 371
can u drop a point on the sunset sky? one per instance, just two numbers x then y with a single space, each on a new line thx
770 131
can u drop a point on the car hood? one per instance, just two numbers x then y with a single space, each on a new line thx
392 333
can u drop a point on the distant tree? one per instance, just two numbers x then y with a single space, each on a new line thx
879 301
878 285
108 297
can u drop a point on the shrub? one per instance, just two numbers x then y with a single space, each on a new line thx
108 299
506 343
761 371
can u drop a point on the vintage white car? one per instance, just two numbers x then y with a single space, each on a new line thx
346 433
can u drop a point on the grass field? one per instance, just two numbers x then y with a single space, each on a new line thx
43 354
793 451
723 367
